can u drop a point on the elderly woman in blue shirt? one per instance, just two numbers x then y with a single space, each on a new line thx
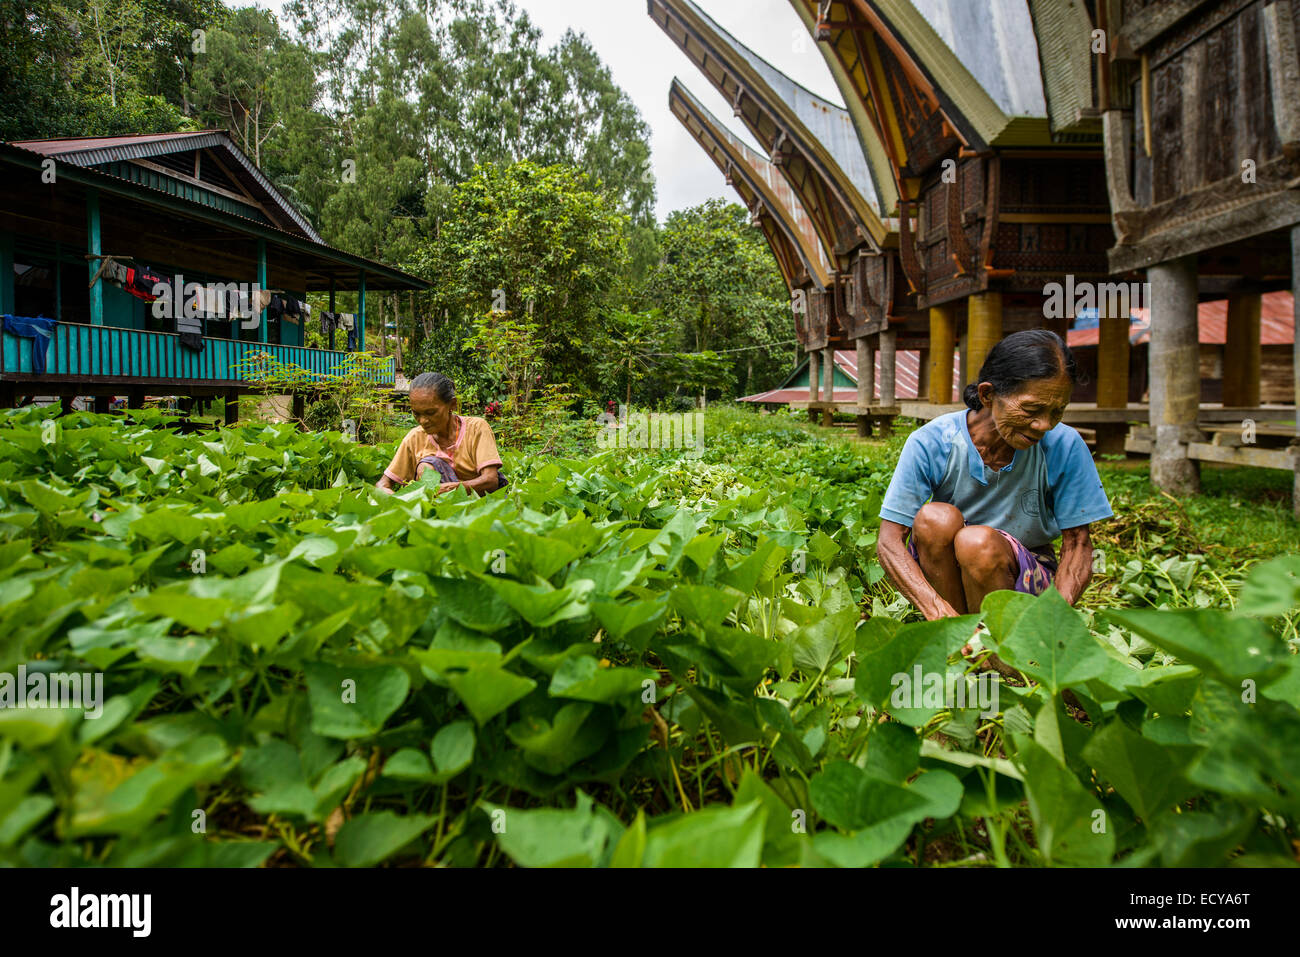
979 495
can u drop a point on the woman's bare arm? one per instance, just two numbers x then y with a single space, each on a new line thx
906 574
385 484
1075 569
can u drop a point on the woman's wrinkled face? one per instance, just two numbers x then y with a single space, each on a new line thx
431 413
1024 417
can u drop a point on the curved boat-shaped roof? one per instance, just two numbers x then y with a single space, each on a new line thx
816 139
788 227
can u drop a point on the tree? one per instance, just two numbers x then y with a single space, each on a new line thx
534 241
719 286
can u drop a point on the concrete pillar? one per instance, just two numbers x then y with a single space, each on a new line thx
983 331
1242 353
888 368
1175 375
866 384
888 376
828 374
943 337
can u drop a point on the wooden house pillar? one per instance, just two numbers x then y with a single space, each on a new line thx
983 330
331 309
828 385
943 339
962 355
7 292
888 376
814 383
361 312
1242 352
866 362
922 374
94 248
262 281
1174 362
1112 377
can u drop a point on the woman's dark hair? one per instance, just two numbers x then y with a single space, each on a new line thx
434 382
1019 358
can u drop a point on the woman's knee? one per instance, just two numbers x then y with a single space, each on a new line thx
982 551
936 525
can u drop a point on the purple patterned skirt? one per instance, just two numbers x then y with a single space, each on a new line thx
1035 570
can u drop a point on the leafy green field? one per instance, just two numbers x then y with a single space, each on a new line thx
629 658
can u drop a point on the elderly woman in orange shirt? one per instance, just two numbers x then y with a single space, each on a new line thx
461 448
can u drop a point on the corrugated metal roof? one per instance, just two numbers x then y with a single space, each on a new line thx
1276 322
829 123
99 150
907 364
995 41
56 147
139 187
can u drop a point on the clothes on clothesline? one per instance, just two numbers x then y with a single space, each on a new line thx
39 329
137 280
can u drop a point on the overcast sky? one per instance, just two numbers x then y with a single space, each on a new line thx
644 61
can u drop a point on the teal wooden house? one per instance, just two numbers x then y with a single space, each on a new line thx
86 227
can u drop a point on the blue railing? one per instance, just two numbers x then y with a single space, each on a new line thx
87 352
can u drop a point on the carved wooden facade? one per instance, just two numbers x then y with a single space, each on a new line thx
793 125
1207 160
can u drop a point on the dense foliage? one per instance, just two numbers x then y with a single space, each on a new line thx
642 657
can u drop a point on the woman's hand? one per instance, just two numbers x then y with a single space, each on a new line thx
446 486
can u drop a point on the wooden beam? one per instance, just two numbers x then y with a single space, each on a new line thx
814 383
888 373
984 329
1242 351
1113 352
943 339
263 283
94 248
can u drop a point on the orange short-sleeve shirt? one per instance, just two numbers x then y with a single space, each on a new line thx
477 449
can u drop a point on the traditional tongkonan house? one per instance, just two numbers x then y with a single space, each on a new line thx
818 151
157 264
994 156
1201 102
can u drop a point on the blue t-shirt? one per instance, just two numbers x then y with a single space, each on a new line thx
1049 486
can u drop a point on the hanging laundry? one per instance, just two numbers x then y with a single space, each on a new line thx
263 299
142 283
40 330
292 307
191 332
275 308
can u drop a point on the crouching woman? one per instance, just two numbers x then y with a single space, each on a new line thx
461 448
979 495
